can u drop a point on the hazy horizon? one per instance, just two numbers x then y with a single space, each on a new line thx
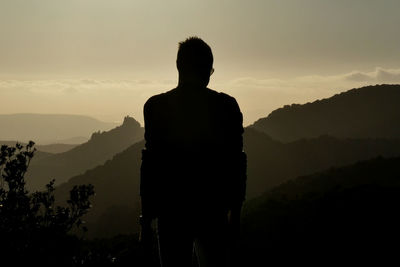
104 59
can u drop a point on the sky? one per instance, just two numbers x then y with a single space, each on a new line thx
105 58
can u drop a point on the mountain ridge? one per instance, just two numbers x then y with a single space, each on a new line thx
24 127
101 147
116 182
370 111
51 148
340 214
270 163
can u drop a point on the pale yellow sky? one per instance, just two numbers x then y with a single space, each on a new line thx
105 58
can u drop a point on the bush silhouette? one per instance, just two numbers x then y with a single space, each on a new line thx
32 229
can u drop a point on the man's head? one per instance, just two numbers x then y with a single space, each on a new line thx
194 61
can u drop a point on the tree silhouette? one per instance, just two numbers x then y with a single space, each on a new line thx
32 229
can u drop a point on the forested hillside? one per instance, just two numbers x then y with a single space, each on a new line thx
102 146
367 112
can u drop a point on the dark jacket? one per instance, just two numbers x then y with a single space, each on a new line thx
193 158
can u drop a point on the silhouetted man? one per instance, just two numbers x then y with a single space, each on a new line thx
193 168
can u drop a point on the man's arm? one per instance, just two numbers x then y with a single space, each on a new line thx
239 159
237 176
147 170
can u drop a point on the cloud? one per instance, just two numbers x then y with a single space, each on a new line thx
88 81
113 99
144 82
70 90
258 97
358 77
379 75
264 84
320 82
392 75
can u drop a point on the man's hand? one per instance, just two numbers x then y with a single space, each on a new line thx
146 232
234 221
234 234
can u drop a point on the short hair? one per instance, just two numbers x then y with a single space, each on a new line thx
194 55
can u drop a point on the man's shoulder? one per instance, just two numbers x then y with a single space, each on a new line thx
224 98
157 99
221 95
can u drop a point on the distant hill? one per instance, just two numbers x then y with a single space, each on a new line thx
102 146
367 112
55 148
76 140
52 148
338 215
116 206
270 163
49 128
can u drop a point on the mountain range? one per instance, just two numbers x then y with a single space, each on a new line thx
116 204
346 214
367 112
101 147
49 149
50 128
270 163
